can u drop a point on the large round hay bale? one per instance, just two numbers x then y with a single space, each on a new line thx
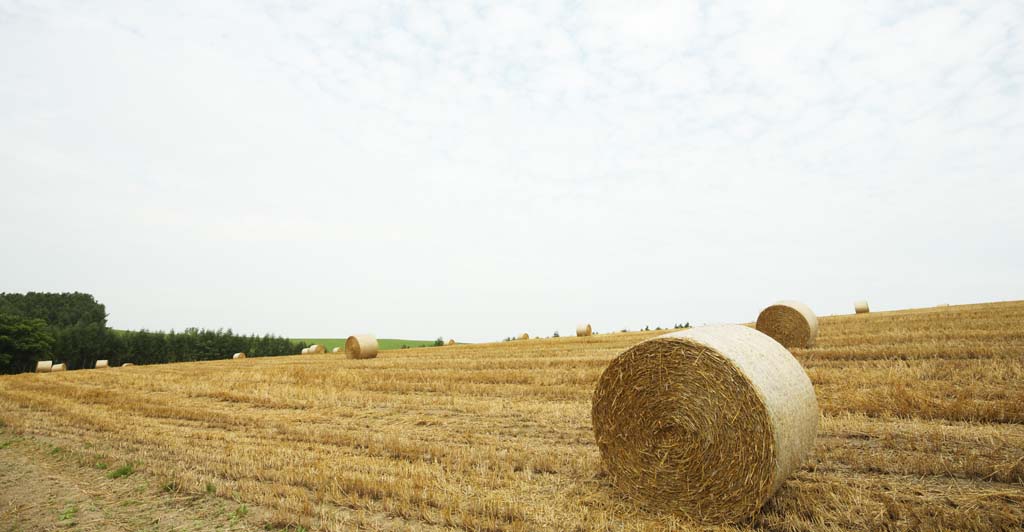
59 367
317 349
791 323
524 336
361 346
706 423
237 356
861 307
100 364
451 342
44 366
584 329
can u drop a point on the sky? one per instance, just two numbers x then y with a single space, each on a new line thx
479 170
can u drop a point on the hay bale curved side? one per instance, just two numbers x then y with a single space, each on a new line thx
59 367
706 423
584 329
127 365
791 323
100 364
524 336
237 356
44 366
451 341
317 349
361 346
861 307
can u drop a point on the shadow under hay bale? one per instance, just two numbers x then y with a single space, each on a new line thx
705 423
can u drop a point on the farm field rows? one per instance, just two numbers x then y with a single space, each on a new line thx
922 428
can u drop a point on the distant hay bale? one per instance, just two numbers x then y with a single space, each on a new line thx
791 323
524 336
100 364
44 366
59 367
305 350
361 346
584 330
451 342
706 423
317 349
861 307
338 349
237 356
127 365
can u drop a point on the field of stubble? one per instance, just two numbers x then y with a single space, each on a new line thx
922 428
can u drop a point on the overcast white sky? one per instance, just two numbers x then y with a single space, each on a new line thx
319 168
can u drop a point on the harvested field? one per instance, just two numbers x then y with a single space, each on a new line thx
922 428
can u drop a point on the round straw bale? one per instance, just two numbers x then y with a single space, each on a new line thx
861 307
59 367
127 365
338 349
524 336
102 364
305 350
451 342
584 329
44 366
361 346
706 423
791 323
317 349
237 356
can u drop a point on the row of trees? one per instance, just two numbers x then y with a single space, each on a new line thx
72 328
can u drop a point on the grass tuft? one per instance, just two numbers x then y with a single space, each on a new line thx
123 471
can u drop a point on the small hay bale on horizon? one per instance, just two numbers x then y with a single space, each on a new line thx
584 329
317 349
127 365
338 349
100 364
861 307
59 367
44 366
451 341
791 323
524 336
705 423
237 356
361 346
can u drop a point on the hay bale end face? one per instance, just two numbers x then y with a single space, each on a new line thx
237 356
361 346
861 307
705 423
524 336
59 367
451 342
44 366
100 364
791 323
584 329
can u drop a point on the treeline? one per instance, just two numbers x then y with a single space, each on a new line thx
72 328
